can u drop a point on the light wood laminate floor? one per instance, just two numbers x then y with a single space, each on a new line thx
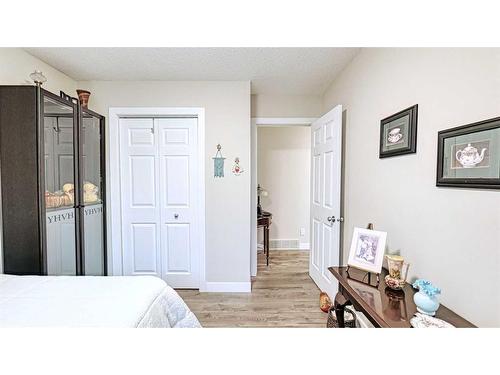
283 295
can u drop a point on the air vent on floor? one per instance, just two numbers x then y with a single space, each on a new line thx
281 244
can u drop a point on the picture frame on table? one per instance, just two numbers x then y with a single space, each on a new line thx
468 156
367 250
398 133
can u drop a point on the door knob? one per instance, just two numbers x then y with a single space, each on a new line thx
340 219
331 219
176 216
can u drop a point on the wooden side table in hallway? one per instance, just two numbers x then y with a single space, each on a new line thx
264 220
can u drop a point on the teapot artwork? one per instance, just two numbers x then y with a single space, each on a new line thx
469 156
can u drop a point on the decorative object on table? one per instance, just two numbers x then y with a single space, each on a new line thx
83 97
398 133
367 250
38 77
469 155
398 271
260 193
395 308
237 170
218 162
426 297
349 318
324 302
426 321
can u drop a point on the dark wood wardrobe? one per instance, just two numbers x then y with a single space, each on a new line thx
52 184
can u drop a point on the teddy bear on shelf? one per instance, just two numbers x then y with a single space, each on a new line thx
90 192
68 194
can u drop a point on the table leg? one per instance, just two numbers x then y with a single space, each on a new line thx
266 243
339 305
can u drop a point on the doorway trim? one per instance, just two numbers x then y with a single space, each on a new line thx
271 122
113 179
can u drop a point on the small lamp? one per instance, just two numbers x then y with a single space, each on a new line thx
260 193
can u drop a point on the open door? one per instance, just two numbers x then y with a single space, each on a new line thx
326 154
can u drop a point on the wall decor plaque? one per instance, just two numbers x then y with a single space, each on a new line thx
398 133
469 155
218 162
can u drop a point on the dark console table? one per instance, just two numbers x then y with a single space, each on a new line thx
383 306
264 221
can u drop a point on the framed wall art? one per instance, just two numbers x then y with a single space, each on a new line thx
367 250
398 133
469 155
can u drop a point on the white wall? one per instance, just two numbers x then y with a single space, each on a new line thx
287 105
15 68
283 169
450 236
227 121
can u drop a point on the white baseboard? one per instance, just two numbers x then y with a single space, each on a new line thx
286 249
227 287
305 246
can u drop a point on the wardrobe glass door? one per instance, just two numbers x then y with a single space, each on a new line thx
59 169
93 212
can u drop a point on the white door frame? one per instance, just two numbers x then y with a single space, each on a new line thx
271 122
114 217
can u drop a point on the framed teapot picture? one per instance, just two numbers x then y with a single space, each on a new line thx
398 133
469 155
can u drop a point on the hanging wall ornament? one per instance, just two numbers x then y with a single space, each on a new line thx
237 170
218 163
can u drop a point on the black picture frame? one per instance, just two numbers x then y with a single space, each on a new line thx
411 148
478 183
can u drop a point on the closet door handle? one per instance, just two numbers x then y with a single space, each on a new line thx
176 216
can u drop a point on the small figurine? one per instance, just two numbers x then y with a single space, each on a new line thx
237 170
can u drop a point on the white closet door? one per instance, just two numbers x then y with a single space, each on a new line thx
160 220
140 197
178 181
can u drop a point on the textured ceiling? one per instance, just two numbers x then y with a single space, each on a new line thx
290 71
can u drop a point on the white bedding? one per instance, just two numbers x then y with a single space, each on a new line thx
91 301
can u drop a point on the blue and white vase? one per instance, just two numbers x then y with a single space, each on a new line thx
426 297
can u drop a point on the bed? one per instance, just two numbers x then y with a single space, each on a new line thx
91 301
